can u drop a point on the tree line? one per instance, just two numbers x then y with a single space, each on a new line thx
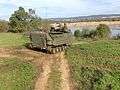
21 21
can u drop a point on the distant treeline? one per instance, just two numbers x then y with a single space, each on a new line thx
73 20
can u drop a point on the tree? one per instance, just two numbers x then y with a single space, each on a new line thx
34 21
19 21
102 31
22 21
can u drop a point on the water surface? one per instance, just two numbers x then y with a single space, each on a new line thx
114 30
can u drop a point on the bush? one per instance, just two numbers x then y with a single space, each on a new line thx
4 26
77 33
86 33
103 31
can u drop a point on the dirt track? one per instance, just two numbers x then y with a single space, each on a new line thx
43 61
41 82
64 68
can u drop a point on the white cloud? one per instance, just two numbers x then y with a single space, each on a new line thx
59 7
42 3
62 8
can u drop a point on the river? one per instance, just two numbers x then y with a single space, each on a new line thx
115 31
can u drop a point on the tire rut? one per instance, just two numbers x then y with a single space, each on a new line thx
64 68
42 80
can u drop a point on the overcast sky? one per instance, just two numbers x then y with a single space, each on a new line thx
61 8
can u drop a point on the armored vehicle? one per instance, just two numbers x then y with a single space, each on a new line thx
56 40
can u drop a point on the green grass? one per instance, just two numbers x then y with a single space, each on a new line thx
54 81
96 65
12 40
16 74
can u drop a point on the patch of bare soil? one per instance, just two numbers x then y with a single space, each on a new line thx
4 52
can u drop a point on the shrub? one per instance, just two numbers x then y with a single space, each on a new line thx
4 26
77 33
103 31
86 33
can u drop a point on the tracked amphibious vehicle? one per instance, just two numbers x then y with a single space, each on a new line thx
53 41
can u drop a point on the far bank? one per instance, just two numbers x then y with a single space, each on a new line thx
93 24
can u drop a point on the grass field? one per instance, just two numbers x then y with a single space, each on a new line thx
12 40
17 74
95 66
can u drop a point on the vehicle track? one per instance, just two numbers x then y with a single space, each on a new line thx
43 61
41 82
64 68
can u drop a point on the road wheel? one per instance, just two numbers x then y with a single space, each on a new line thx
49 50
53 50
65 47
57 49
60 49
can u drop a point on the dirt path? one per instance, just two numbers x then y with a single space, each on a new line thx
42 60
41 82
64 68
4 52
